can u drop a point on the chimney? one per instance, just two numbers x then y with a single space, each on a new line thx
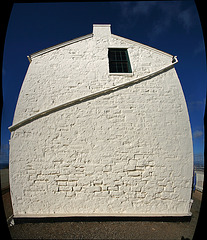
101 30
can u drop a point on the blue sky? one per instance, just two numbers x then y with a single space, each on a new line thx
171 26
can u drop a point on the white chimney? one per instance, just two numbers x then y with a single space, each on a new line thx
101 30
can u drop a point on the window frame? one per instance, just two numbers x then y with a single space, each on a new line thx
121 61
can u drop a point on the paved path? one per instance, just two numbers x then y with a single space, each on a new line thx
106 230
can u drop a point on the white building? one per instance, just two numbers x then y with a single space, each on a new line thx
101 127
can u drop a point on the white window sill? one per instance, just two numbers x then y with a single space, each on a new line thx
121 74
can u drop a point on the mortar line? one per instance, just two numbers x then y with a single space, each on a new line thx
90 96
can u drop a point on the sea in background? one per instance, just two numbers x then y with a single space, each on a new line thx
199 161
4 165
4 156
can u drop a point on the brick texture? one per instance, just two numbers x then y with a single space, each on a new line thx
127 152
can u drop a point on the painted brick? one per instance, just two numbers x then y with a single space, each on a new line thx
65 188
94 189
134 173
113 188
130 168
129 151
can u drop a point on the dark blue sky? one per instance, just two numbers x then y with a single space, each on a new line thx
171 26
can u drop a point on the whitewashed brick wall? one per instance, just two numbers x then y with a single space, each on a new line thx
128 152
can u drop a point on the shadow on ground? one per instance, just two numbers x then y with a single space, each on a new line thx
111 229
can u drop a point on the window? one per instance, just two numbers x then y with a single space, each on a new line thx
119 61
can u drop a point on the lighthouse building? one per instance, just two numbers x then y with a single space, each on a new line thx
101 128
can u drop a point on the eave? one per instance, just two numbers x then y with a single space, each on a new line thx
143 45
46 50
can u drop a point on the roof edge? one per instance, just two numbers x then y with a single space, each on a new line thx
144 45
46 50
57 46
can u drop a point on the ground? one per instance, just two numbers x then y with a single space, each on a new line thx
105 229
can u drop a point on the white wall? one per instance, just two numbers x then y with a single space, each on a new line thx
128 152
199 180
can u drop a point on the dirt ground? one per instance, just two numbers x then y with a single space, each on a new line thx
89 229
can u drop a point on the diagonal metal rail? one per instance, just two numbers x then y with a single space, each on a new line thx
91 96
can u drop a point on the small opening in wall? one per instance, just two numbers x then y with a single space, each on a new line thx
119 61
